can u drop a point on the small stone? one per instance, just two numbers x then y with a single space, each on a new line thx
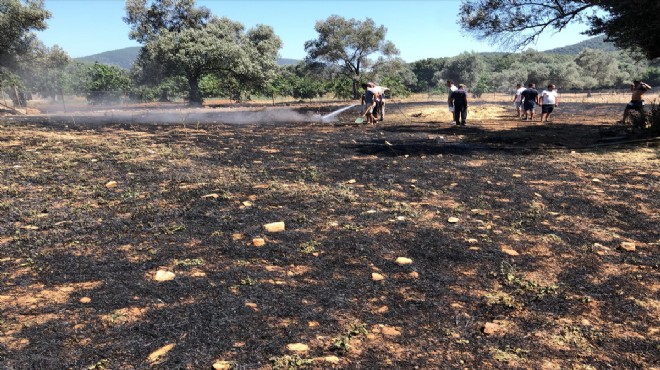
628 246
258 242
472 241
377 277
247 203
313 324
111 184
490 328
596 180
297 347
414 275
85 300
351 181
452 220
160 352
274 227
236 236
403 261
212 195
517 175
251 305
390 331
329 359
382 309
510 252
162 275
223 365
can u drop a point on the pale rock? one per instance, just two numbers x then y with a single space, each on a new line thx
382 309
212 195
414 275
472 241
274 227
510 251
247 203
329 359
111 184
236 236
452 220
223 365
377 277
403 261
258 242
297 347
85 300
312 324
160 352
490 328
162 275
628 246
390 331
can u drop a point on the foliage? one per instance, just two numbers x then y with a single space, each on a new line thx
424 70
17 20
517 23
49 73
104 84
348 43
465 68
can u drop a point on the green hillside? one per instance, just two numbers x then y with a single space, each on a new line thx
592 43
125 58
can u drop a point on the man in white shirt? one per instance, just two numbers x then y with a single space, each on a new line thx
517 99
548 101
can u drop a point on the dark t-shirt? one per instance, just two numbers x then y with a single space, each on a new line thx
459 97
530 95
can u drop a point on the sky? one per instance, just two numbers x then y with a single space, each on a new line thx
419 28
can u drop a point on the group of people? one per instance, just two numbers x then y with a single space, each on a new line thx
373 97
526 99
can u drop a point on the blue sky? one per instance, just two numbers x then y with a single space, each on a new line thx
419 29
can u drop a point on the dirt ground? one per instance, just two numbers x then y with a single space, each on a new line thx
413 244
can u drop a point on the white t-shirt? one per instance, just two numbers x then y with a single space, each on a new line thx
452 88
549 97
518 94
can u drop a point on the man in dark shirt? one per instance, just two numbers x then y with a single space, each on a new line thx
529 98
458 100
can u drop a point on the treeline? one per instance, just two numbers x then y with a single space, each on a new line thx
189 52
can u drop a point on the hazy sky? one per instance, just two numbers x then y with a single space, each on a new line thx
419 29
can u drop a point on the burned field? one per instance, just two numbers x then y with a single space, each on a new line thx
410 244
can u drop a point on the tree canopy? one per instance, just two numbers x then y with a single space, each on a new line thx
17 21
348 43
517 23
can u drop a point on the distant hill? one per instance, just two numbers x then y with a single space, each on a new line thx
124 58
592 43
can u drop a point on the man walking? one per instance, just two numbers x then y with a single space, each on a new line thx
458 101
529 98
548 100
517 99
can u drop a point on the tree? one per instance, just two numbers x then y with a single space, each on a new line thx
465 68
181 39
602 66
517 23
424 70
17 21
348 44
103 83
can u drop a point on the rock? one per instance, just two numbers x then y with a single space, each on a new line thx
628 246
258 242
251 305
111 184
472 241
247 203
297 347
377 277
517 175
212 195
390 331
329 359
414 275
223 365
351 181
382 309
162 275
312 324
403 261
452 220
274 227
595 180
85 300
236 236
510 251
491 328
160 352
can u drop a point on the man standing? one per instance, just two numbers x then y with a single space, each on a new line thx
451 88
517 99
548 100
638 88
529 98
458 102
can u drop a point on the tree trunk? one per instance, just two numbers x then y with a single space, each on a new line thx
356 94
194 96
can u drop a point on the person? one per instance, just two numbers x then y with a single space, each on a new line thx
548 101
379 110
370 97
517 99
451 88
458 102
529 97
638 88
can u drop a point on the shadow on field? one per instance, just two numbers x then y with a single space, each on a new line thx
78 281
